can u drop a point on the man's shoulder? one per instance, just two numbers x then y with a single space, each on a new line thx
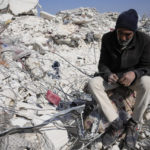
143 36
108 35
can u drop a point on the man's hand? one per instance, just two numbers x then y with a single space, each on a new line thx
127 78
113 78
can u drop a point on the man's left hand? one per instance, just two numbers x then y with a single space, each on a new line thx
127 78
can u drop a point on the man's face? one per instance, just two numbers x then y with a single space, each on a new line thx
124 36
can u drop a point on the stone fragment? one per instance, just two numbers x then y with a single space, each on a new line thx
46 112
5 17
137 145
26 106
115 147
147 133
46 15
57 136
147 115
8 93
18 7
18 121
80 21
97 146
18 54
142 135
3 4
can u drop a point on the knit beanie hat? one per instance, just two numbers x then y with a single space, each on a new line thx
128 19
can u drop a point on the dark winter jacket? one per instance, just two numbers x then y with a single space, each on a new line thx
135 57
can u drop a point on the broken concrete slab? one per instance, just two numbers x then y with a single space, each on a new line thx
34 141
3 4
53 132
58 137
26 106
81 20
115 147
46 15
8 93
18 7
18 121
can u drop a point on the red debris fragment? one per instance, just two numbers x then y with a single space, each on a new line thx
52 98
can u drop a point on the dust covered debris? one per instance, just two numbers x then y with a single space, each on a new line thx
30 45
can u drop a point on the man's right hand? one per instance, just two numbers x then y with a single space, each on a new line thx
113 78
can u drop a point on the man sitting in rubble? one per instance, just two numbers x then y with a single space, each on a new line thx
124 61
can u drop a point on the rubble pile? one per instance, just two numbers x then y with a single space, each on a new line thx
45 63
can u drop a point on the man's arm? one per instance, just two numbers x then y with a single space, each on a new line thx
104 62
143 67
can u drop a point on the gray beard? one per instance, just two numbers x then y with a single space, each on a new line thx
124 43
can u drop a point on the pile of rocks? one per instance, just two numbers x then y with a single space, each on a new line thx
31 47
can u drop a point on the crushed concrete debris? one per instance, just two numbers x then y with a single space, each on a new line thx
17 7
3 4
57 53
5 17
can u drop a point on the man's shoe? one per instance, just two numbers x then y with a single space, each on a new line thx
131 134
112 133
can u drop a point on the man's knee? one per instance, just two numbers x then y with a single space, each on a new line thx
145 83
95 82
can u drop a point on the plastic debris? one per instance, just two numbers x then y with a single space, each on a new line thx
52 98
56 66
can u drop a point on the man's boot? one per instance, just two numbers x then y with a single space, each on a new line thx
131 134
112 132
